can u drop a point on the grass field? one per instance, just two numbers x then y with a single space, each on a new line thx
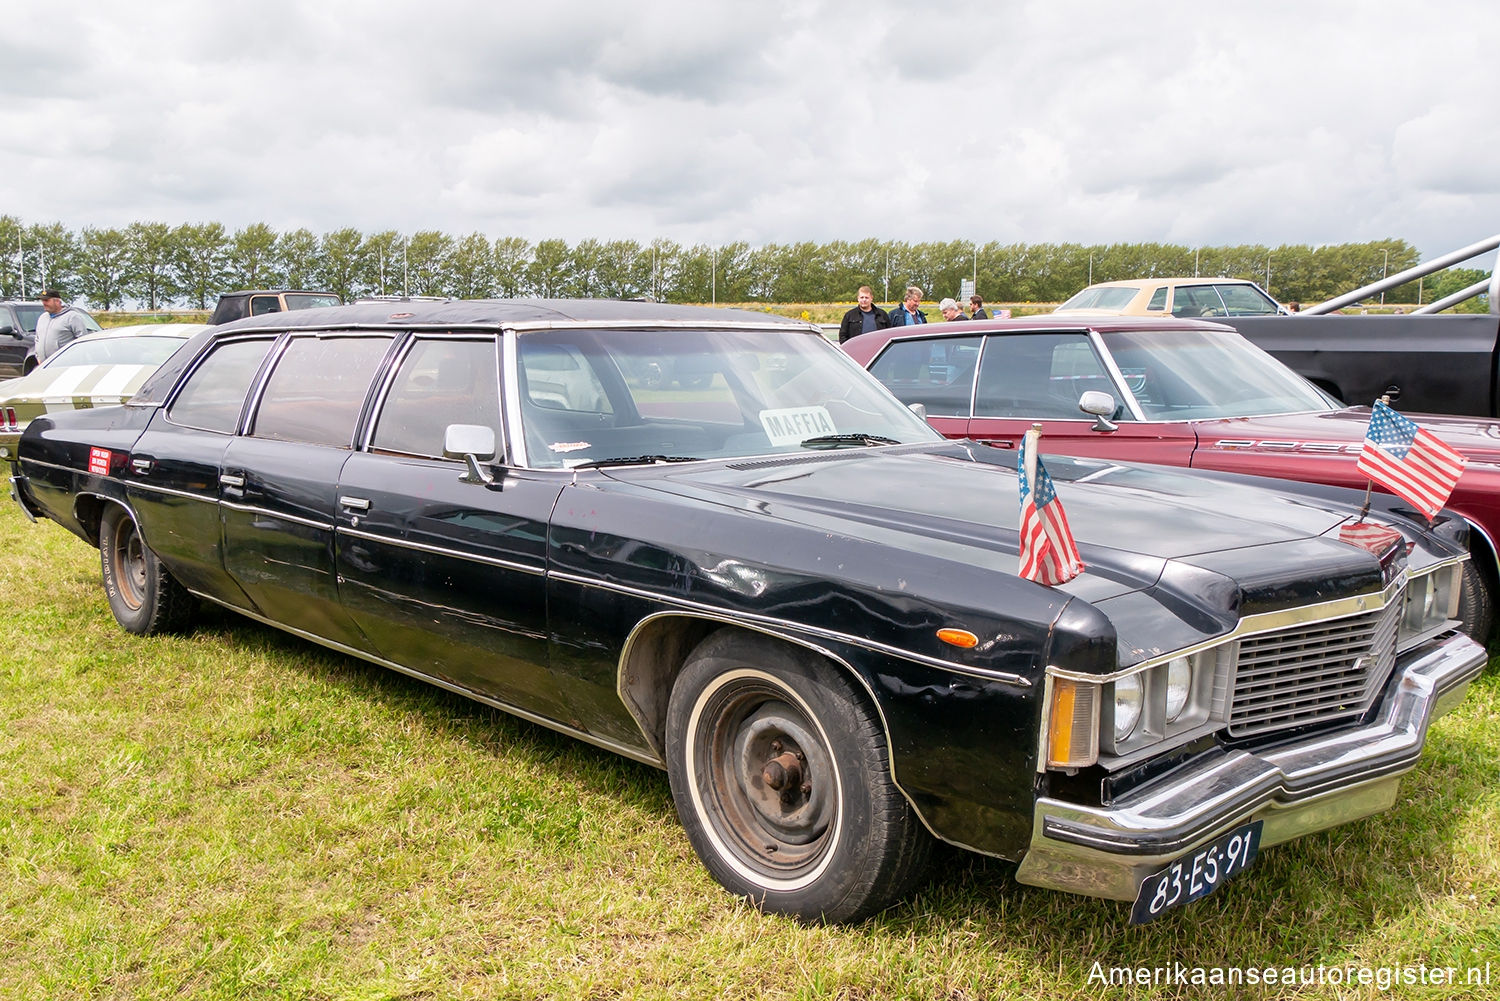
237 814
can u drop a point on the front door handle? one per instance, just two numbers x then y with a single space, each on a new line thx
354 503
231 480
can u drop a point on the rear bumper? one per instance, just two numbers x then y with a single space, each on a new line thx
18 493
1294 789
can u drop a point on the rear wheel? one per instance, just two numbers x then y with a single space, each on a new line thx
781 776
143 596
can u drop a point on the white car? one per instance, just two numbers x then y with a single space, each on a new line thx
99 370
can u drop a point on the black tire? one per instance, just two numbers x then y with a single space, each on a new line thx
781 776
1476 604
143 596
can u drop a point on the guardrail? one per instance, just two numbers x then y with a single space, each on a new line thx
1490 286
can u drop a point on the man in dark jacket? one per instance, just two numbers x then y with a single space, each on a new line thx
907 314
863 318
976 308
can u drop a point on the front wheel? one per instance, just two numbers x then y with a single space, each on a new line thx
780 773
1476 606
143 596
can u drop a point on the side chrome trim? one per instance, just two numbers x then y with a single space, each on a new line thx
773 623
626 750
152 488
423 547
322 526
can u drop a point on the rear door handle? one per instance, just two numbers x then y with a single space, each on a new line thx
231 480
354 503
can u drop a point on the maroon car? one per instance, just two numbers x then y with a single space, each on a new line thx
1177 392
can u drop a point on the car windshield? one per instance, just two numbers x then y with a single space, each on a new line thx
597 395
1197 374
142 350
1101 297
27 315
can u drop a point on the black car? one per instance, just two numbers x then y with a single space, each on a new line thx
767 576
18 335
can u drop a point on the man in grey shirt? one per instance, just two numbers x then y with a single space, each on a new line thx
59 325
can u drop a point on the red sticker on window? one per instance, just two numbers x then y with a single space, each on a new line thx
99 461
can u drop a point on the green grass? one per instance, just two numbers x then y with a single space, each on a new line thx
235 813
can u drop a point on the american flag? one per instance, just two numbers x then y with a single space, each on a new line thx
1048 553
1409 461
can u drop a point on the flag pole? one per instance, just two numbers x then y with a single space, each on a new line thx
1370 483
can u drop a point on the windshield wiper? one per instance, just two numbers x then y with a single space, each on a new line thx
635 460
835 440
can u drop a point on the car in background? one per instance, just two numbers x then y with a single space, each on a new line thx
257 302
781 586
1180 393
18 333
1180 297
98 370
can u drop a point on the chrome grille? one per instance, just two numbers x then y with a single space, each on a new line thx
1313 673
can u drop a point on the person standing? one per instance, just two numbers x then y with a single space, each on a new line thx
58 326
864 317
976 308
907 314
949 309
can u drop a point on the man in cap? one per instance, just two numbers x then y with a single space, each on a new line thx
59 325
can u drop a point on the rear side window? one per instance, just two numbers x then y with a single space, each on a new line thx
937 373
260 304
315 393
214 394
440 382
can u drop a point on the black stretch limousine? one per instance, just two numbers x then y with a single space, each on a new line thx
709 541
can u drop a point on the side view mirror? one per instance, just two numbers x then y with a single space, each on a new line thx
1102 406
9 328
920 409
473 443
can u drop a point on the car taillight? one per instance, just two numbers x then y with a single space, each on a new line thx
8 418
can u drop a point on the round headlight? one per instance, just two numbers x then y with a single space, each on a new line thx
1129 697
1179 687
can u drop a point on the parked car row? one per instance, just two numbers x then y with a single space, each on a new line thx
1180 393
710 541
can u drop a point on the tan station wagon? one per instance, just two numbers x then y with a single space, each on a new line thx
1173 297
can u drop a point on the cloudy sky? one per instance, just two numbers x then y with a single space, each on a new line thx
1058 120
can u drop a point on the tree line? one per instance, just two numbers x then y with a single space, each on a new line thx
155 265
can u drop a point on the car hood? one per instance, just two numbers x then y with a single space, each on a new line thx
1478 438
959 502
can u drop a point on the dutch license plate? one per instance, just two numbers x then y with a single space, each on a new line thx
1196 874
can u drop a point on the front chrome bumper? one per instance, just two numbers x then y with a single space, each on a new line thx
1294 788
